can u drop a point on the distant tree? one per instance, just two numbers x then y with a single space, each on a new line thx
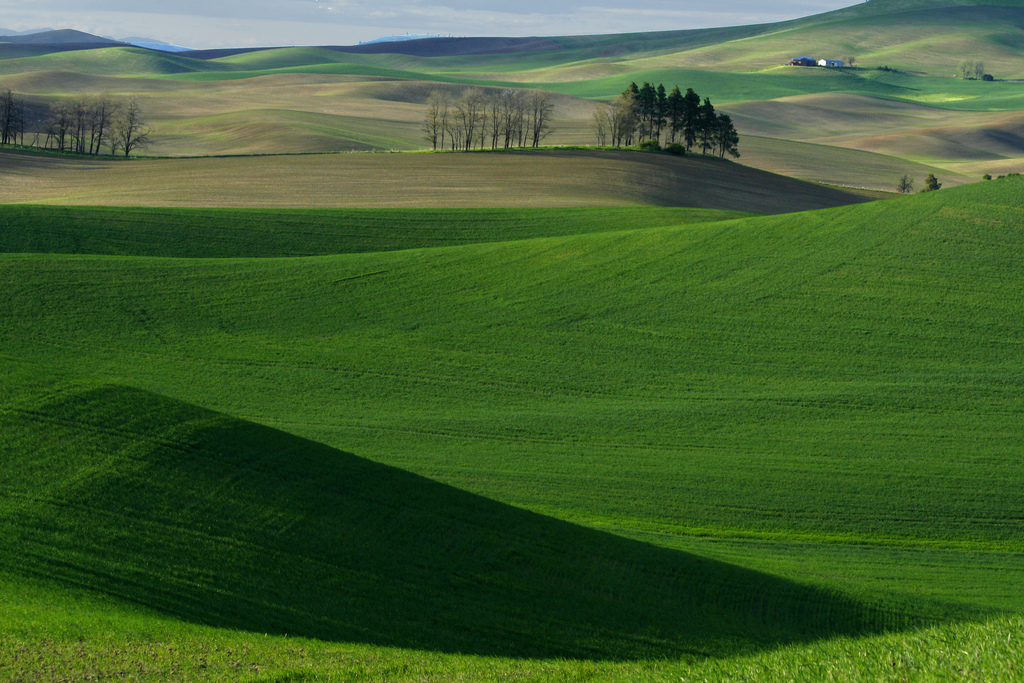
496 115
931 183
513 115
674 113
987 176
602 120
540 108
59 125
726 137
433 126
623 119
12 117
130 131
905 185
102 112
647 107
850 60
987 77
660 112
469 108
691 118
707 122
969 69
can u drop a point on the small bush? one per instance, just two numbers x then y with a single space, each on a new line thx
987 176
650 146
987 77
931 183
675 148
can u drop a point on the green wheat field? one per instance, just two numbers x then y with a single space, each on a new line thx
287 399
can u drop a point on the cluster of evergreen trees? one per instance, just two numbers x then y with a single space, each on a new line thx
647 112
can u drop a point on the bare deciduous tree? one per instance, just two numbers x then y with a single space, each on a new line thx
130 131
434 121
540 108
602 118
12 117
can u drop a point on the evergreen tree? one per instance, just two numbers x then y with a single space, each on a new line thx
726 137
674 112
647 103
706 121
691 115
660 111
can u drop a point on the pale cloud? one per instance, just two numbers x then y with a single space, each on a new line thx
245 23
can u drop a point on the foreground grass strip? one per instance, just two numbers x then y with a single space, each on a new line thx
220 233
52 634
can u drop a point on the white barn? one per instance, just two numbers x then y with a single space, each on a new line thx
832 63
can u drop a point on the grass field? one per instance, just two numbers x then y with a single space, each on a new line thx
790 428
571 414
227 233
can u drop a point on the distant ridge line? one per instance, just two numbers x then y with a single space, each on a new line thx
424 47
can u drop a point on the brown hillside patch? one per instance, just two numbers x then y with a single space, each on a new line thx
414 180
1000 139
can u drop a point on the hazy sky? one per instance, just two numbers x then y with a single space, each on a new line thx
239 23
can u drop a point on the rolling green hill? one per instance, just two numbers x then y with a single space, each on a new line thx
215 520
785 427
567 414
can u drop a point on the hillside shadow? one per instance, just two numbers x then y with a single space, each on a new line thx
223 522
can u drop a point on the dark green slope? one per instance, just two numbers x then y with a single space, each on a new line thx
222 521
226 233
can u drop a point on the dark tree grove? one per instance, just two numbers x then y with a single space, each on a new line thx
646 113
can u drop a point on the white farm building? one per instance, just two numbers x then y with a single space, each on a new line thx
832 63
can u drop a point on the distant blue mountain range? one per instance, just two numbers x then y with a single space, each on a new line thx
407 36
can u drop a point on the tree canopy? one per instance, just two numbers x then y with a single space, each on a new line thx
650 113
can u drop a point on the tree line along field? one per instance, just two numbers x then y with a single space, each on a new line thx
908 108
796 431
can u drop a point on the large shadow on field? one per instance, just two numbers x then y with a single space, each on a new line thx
219 521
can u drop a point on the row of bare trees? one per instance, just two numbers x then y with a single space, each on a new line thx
87 125
84 125
477 117
650 113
